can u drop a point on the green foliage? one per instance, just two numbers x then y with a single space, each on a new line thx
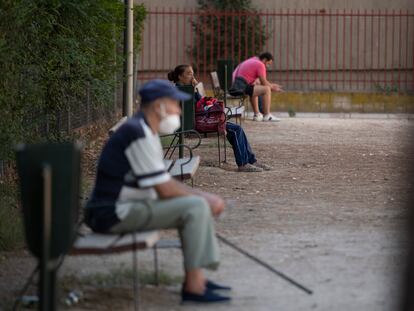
386 89
51 53
213 32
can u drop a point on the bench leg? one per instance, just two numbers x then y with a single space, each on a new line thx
135 270
156 270
218 147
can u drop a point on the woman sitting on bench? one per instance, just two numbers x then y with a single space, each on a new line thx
245 158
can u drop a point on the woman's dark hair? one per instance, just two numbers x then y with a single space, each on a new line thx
178 71
266 55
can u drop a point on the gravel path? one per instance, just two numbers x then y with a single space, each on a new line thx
329 215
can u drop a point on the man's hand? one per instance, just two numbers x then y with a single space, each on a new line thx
215 202
173 188
276 87
194 82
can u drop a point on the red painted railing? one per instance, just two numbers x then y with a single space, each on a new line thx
337 50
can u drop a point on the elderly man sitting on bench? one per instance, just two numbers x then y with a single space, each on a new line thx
134 191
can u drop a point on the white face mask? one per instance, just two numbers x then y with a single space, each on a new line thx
169 122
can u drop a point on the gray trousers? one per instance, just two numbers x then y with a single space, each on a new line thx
191 215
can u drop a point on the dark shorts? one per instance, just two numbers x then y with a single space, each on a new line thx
249 90
241 87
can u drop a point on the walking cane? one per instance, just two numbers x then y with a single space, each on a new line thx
264 264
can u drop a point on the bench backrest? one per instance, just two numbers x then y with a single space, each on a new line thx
215 82
200 88
188 108
223 66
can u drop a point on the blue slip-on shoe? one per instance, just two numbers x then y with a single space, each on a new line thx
208 297
214 286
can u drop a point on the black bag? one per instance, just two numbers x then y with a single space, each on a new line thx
238 87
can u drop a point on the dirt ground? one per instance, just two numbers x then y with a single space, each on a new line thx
329 215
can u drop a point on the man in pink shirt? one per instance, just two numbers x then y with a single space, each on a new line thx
249 78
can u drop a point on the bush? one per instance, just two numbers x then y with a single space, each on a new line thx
51 52
207 27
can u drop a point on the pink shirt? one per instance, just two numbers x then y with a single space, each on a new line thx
250 70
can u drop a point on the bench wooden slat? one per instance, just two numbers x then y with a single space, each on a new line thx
96 244
117 125
189 169
164 243
168 164
236 111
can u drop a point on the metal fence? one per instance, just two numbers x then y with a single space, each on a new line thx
323 50
65 120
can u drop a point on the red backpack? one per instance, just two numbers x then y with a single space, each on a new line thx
210 115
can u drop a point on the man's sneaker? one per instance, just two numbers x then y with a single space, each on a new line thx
214 286
263 166
207 297
250 168
270 118
258 117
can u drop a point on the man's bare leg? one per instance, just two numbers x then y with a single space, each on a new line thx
266 92
195 281
254 102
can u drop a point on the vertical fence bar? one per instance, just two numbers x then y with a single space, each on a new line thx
392 47
412 50
218 35
155 40
212 37
280 31
150 18
267 30
379 46
274 42
315 56
183 58
225 34
406 52
254 32
246 42
191 47
294 71
308 54
287 71
171 38
372 48
163 39
399 50
330 49
358 29
301 69
143 47
253 20
198 35
177 37
343 49
323 51
385 49
204 43
350 50
365 50
239 38
337 51
232 35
